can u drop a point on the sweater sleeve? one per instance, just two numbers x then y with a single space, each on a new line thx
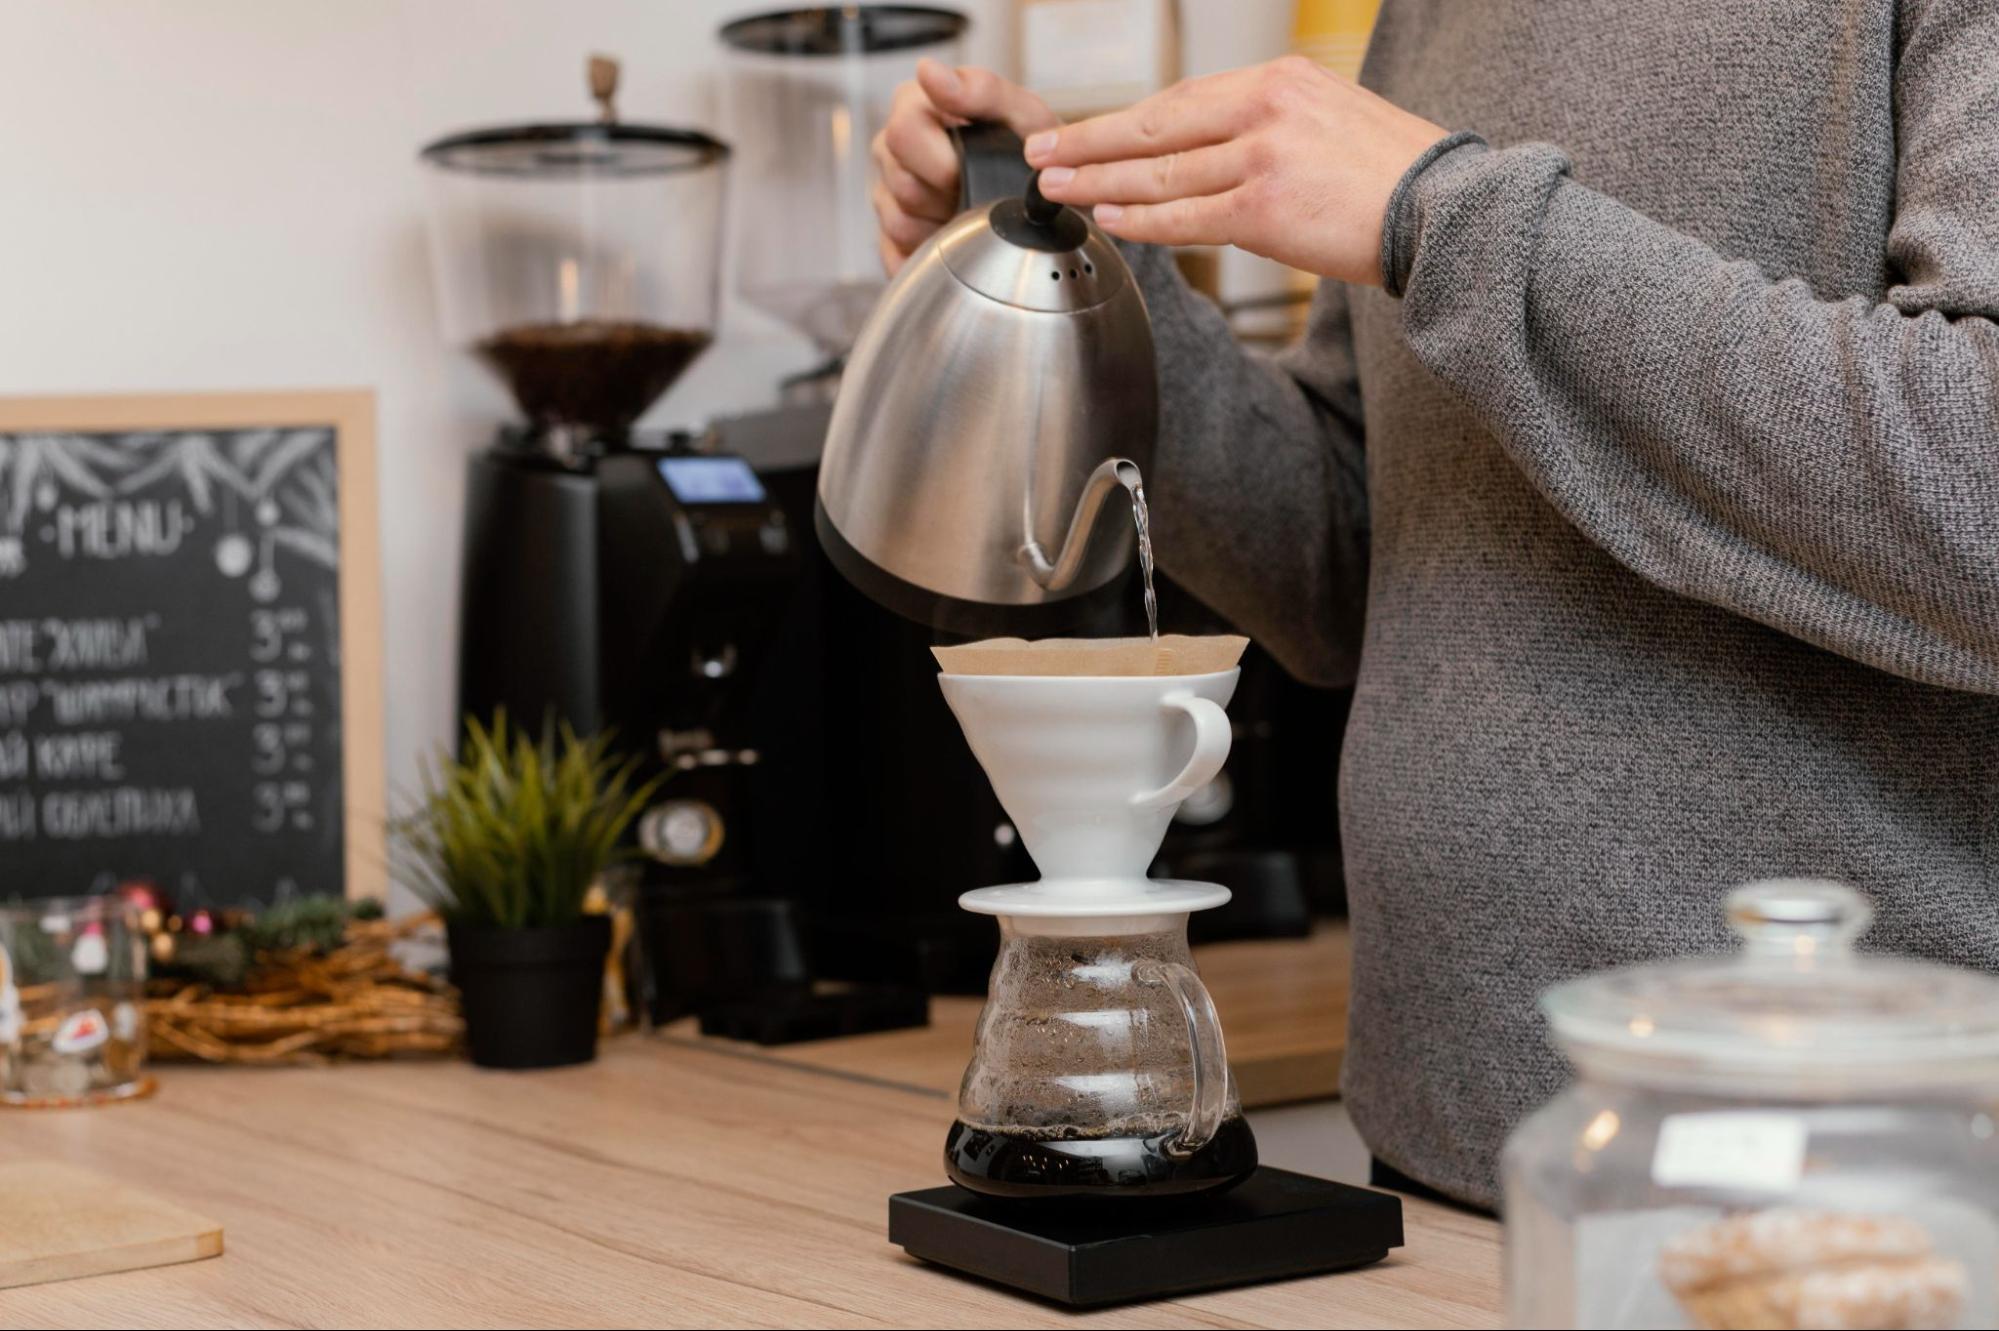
1829 468
1259 500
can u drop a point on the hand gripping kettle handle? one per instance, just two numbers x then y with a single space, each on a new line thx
1208 1057
990 164
1211 750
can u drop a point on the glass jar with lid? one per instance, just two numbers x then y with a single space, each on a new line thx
1797 1135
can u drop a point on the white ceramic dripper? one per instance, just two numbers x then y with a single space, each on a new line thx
1091 769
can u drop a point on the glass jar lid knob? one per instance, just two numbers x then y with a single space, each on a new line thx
1802 918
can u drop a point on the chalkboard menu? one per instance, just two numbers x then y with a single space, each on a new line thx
184 584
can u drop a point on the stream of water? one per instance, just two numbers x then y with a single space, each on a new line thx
1143 521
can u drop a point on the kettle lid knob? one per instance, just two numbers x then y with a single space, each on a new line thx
993 171
1040 209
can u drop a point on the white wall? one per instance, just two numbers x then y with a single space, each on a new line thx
222 194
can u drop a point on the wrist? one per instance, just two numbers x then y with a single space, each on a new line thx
1402 220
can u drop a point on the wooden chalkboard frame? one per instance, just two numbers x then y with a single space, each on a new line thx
350 413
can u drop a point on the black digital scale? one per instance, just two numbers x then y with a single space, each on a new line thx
1275 1225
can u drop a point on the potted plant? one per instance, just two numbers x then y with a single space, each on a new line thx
505 842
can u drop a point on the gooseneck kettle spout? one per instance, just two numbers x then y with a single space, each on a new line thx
1058 573
1004 386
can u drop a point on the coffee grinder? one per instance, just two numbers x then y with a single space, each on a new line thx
610 581
638 583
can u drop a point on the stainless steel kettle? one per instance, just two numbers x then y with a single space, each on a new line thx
1002 389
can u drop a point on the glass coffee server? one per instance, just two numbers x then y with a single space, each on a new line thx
1099 1069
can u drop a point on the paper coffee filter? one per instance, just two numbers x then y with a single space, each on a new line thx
1172 654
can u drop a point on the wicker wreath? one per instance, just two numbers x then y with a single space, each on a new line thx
306 1006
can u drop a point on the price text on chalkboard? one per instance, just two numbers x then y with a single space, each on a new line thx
172 635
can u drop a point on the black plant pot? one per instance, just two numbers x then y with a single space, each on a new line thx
531 996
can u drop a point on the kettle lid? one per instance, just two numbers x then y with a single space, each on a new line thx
1013 244
1034 254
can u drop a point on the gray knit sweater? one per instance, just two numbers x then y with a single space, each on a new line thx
1656 519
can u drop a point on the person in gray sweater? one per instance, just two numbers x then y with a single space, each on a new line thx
1640 469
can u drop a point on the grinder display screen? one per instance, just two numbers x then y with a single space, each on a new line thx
711 480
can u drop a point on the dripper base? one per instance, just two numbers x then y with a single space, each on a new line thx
1099 899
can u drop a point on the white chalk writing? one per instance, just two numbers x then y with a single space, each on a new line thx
80 755
17 816
74 644
17 701
116 529
119 811
158 698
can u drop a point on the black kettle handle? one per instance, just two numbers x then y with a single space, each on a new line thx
990 164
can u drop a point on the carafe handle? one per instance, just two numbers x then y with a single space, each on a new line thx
1211 750
1210 1058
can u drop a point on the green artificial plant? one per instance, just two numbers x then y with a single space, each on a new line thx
515 830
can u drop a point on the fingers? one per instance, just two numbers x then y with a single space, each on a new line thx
916 168
1187 115
1203 221
970 93
905 231
913 196
914 136
1176 175
892 258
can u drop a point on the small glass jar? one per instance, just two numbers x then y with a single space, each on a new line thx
72 994
1793 1136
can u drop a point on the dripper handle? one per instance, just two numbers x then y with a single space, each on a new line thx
1209 1057
1211 750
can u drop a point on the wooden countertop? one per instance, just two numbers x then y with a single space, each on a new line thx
674 1182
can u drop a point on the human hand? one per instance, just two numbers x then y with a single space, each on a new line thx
916 169
1284 159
